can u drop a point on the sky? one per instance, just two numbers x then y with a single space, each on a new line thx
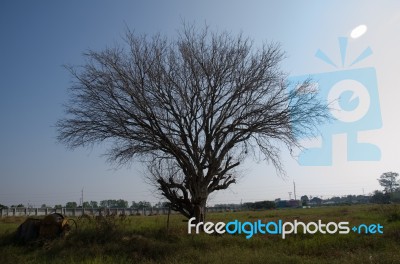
39 37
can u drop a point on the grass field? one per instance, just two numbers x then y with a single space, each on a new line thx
144 239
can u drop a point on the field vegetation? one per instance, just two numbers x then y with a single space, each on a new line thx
146 239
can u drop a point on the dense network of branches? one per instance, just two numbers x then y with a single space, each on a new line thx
194 107
388 180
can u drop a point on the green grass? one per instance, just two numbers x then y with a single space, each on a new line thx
144 239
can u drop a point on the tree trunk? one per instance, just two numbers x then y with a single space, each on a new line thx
200 210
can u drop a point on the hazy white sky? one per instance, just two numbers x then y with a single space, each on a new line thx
37 38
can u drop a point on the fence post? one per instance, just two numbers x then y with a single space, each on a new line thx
169 212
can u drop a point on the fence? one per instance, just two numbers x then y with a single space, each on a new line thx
71 212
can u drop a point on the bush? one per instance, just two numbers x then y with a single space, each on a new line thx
391 212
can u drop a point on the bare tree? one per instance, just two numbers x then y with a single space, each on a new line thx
193 108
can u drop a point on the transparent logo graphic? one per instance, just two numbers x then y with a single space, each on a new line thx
352 94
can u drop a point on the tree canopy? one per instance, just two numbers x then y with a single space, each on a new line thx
388 181
192 108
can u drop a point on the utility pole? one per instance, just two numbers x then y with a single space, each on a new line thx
294 189
82 196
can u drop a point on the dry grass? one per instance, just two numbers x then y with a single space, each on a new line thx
144 239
